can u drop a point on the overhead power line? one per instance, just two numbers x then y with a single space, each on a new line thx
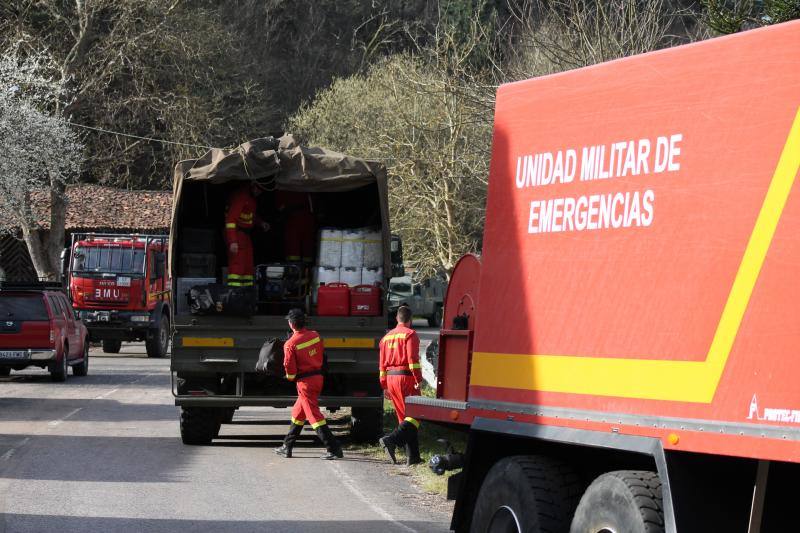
101 130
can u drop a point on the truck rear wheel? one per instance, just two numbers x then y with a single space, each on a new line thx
367 424
5 371
435 320
199 425
158 342
111 345
526 494
627 500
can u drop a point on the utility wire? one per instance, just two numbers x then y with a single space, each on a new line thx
101 130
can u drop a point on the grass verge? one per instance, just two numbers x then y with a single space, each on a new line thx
429 435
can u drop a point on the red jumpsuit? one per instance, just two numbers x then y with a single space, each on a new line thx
302 355
300 226
240 216
400 371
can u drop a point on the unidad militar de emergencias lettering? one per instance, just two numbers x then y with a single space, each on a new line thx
609 210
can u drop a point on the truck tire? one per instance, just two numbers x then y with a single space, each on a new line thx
82 368
58 370
199 425
526 494
111 345
626 500
158 342
226 414
366 424
5 371
435 320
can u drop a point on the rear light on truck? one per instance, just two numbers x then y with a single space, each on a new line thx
52 336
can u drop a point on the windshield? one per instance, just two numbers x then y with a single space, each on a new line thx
404 288
24 307
116 260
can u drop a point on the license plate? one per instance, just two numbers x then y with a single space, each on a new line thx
13 354
123 281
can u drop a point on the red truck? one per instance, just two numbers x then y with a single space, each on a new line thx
624 354
119 285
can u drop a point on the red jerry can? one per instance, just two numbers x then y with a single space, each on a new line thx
365 300
333 299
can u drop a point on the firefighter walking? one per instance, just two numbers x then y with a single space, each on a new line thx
240 217
400 377
303 362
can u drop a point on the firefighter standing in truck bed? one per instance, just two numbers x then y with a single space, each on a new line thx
303 361
240 217
400 376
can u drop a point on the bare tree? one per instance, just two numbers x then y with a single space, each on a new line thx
40 155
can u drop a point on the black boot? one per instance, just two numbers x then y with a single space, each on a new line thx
391 441
289 440
412 444
330 442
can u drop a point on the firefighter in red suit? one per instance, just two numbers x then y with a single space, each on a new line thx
240 217
400 376
303 361
300 227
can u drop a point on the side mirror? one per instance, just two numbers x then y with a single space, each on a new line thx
65 264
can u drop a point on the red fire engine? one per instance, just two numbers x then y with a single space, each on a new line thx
119 286
624 354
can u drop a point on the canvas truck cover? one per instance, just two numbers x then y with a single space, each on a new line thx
641 262
287 165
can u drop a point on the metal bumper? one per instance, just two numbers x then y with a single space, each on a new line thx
26 356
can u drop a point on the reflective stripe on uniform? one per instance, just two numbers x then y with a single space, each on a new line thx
240 283
412 421
230 226
414 366
293 258
394 336
246 216
240 276
290 376
315 425
306 344
298 422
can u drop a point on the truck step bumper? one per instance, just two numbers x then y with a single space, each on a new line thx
274 401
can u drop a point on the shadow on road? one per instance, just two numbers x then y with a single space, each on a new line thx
64 524
101 459
101 410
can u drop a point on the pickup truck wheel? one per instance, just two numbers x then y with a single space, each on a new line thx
111 346
82 368
158 342
530 494
58 369
627 500
5 371
199 425
367 424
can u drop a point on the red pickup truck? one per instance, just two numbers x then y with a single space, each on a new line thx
39 328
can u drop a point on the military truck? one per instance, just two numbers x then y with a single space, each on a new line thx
424 297
214 355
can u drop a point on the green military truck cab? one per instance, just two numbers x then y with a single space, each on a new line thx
214 355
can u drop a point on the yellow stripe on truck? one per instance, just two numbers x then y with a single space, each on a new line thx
656 379
207 342
349 342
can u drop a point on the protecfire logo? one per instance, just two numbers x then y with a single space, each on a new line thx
771 414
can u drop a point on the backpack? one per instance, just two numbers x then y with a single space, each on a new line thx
270 358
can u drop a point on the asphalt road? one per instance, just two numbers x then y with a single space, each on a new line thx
103 453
